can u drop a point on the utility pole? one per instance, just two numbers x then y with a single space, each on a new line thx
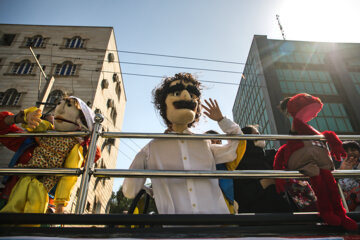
43 95
281 28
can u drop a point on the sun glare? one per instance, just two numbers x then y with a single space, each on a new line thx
321 20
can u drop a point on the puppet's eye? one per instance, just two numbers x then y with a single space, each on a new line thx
69 105
177 93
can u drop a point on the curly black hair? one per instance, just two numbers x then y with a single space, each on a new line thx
160 93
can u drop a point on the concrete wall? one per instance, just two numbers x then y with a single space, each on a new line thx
92 67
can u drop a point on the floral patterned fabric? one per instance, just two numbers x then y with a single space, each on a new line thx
51 153
301 194
351 190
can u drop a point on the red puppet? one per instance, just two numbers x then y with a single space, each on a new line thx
312 158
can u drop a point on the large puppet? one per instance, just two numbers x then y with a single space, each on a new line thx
312 158
178 99
29 194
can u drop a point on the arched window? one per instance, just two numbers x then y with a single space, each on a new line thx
75 42
36 41
65 69
54 97
24 67
10 97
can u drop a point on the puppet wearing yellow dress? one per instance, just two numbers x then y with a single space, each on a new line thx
30 194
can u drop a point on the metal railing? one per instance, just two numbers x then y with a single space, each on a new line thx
89 171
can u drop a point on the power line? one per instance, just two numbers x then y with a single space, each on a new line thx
168 66
152 54
155 76
121 140
134 143
161 77
142 64
142 75
172 56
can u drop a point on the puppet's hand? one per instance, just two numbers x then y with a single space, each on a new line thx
212 110
33 122
336 148
32 117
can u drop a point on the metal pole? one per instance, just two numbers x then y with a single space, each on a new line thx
38 63
41 171
46 134
98 172
81 201
343 197
222 136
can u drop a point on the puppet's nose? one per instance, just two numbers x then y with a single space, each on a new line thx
185 95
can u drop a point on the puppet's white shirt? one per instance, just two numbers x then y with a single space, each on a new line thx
184 195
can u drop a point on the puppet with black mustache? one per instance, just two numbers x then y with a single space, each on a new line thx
178 101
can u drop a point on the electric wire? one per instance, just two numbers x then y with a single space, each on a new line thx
144 53
137 74
140 64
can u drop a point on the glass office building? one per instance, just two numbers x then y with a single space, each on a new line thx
279 68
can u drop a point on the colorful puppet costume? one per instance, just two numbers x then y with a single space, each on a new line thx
29 194
312 158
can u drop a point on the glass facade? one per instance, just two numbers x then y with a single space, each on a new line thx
297 77
332 117
294 81
249 107
355 77
299 67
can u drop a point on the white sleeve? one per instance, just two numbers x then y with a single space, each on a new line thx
132 186
226 152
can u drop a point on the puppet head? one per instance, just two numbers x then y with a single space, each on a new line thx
302 106
72 114
178 100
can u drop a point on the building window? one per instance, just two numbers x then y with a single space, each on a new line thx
10 97
113 115
118 89
54 98
96 206
7 39
65 69
108 143
115 77
355 77
110 103
332 117
104 84
36 42
313 82
75 42
111 57
22 68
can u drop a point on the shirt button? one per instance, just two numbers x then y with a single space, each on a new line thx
185 158
194 205
182 141
190 189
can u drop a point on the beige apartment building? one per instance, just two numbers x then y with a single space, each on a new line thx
84 62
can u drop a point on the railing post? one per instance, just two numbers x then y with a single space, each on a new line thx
80 205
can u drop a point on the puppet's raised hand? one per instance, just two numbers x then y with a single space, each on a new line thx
212 110
33 121
335 144
32 117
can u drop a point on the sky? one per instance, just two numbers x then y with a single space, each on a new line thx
207 29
